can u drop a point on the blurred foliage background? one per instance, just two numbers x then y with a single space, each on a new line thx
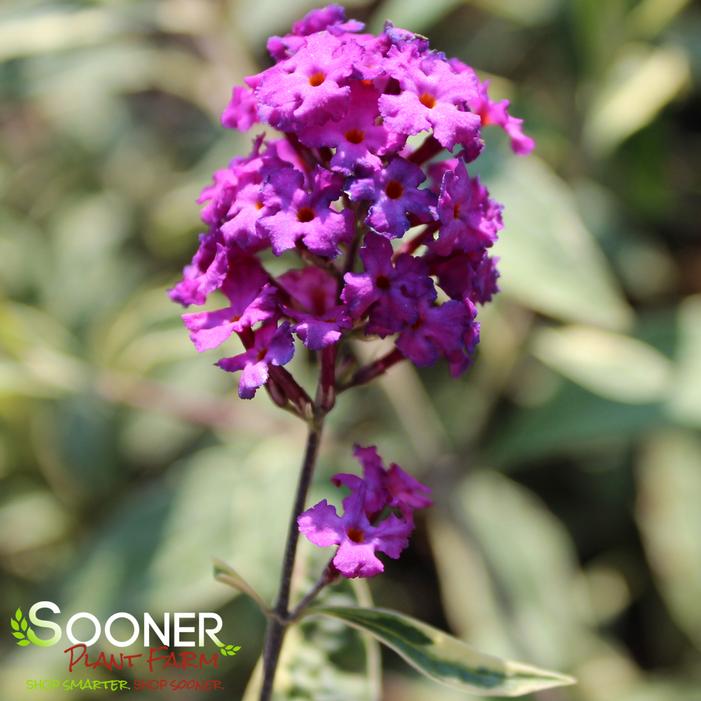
566 465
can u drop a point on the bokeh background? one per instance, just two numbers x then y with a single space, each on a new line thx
566 464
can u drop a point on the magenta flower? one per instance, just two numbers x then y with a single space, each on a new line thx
469 219
466 275
447 330
331 18
273 345
367 525
204 274
304 212
332 192
388 291
357 539
395 194
252 300
373 479
498 113
242 111
306 89
394 487
432 97
319 319
358 139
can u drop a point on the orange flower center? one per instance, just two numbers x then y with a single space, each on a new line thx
428 100
356 535
355 136
394 190
316 79
305 214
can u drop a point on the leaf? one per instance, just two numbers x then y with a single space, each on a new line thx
571 421
685 404
416 15
650 17
54 31
23 643
443 658
549 260
18 614
14 624
322 658
640 83
157 532
228 575
529 13
19 635
612 365
670 522
514 598
23 624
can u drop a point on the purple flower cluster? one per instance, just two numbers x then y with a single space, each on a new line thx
367 194
378 516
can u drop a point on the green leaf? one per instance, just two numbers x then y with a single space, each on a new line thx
443 658
685 404
569 422
536 574
549 260
23 643
670 522
18 614
228 575
612 365
639 84
19 635
14 624
23 625
416 15
529 13
323 658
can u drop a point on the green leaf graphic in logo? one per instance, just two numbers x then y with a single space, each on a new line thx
23 631
19 627
228 650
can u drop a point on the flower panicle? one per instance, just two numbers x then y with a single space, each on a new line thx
384 237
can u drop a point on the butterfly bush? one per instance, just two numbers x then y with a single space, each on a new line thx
378 516
367 197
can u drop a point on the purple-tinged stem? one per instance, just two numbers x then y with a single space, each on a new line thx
277 625
428 149
328 576
370 372
292 390
326 392
421 238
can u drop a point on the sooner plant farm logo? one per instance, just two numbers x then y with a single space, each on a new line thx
164 645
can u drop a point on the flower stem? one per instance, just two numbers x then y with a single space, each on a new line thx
328 576
277 625
369 372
